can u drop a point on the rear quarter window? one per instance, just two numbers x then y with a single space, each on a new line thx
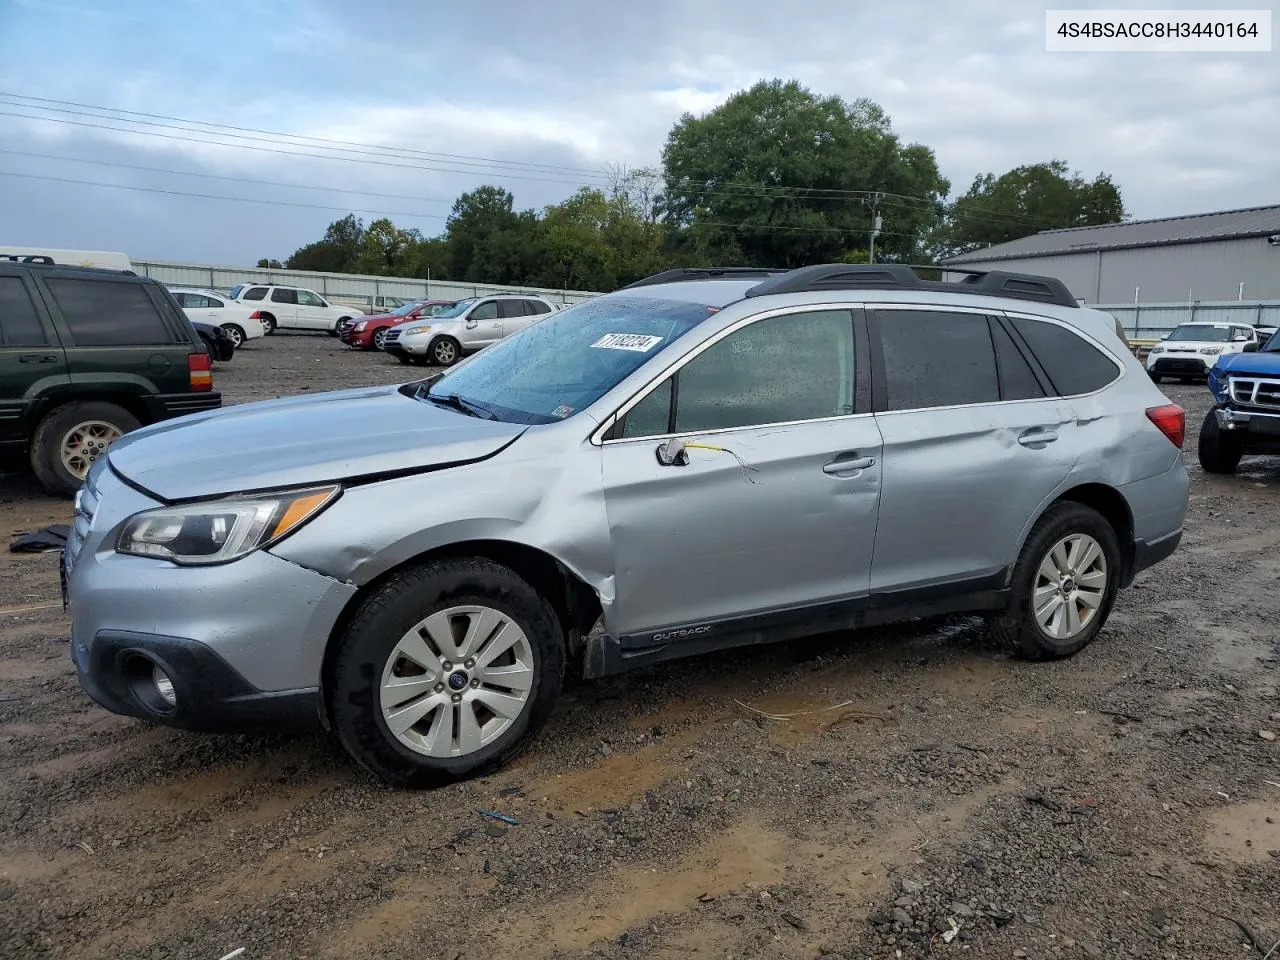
1073 365
102 313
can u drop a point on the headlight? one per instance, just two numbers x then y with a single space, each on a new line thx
361 325
215 531
414 331
1211 351
1155 350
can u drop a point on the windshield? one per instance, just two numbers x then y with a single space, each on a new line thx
458 308
1273 344
1202 333
437 308
568 361
405 309
235 291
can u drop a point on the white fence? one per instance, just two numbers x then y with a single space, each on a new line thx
343 287
1150 321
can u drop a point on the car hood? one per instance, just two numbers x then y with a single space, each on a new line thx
297 441
1243 364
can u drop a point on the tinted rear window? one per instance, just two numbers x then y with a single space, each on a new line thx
19 324
256 293
936 359
1073 364
102 313
1017 381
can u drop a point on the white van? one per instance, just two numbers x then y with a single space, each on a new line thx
72 258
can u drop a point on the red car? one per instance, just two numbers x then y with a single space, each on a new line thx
368 333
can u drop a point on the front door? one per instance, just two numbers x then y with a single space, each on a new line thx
31 358
482 326
974 443
314 313
774 509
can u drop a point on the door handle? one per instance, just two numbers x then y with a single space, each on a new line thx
37 358
1037 437
839 467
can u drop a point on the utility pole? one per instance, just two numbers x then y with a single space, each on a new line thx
875 228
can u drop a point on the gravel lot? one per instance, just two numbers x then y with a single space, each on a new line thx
1121 804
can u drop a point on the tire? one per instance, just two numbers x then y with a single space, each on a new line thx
270 321
390 660
235 334
404 358
1156 378
1073 526
96 421
445 351
333 331
379 338
1219 452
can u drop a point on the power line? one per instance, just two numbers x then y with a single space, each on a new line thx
482 164
240 132
218 176
207 196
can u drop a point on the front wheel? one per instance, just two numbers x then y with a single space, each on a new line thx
1063 585
404 358
1219 451
445 351
445 672
70 438
379 338
1155 377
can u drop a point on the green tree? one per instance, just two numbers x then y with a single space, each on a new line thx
265 264
1026 200
336 252
780 176
476 218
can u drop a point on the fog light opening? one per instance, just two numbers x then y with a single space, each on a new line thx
164 686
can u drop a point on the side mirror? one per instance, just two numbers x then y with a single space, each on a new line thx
1165 337
1251 347
671 453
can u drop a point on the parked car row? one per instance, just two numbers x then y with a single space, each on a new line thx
1192 349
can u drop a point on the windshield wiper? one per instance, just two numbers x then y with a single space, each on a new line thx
469 407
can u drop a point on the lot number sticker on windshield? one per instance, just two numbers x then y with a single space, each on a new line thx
636 342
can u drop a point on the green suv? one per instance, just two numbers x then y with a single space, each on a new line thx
85 356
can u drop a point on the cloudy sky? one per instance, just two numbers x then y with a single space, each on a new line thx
542 97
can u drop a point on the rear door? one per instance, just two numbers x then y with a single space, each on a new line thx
32 362
482 325
283 304
200 307
119 334
974 442
515 314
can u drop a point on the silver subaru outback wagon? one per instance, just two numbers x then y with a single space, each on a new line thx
704 459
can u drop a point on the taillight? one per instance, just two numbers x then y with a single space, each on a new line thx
256 315
200 366
1172 421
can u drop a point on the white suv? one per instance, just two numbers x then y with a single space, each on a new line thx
467 326
293 308
1192 349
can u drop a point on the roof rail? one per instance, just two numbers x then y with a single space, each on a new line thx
900 276
706 273
110 271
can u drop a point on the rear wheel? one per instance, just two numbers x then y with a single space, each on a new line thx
234 334
379 338
446 671
333 331
1063 585
1219 450
70 438
270 322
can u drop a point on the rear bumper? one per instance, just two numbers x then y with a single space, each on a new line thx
165 406
1147 554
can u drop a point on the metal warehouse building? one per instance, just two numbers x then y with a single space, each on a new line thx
1176 259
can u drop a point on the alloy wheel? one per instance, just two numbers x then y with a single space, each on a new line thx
456 681
85 443
1070 586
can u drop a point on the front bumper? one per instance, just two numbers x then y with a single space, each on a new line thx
1182 365
243 642
1259 432
411 346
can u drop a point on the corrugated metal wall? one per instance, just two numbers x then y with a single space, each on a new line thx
1150 321
1209 271
337 286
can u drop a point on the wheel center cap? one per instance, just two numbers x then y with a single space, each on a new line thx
1068 586
457 680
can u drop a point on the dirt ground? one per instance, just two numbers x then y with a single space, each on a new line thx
927 796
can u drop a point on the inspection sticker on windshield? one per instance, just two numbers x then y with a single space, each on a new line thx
636 342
